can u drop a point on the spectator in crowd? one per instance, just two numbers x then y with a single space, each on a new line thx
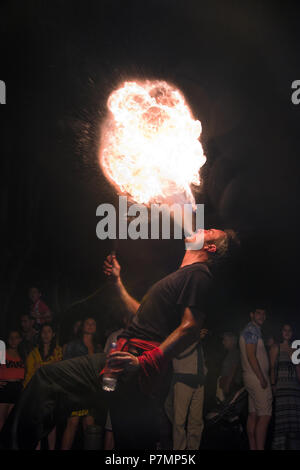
11 376
255 366
230 379
29 335
38 308
184 404
286 390
74 334
85 344
47 317
46 352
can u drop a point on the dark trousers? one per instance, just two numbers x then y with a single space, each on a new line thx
55 389
71 384
134 417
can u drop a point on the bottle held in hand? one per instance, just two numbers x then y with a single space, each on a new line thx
109 380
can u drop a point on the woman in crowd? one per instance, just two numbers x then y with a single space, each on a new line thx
11 376
286 391
46 352
86 343
73 336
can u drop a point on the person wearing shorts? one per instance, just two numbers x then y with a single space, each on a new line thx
255 365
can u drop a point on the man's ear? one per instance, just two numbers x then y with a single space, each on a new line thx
211 248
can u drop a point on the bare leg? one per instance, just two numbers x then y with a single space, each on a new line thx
69 433
109 442
261 431
88 421
52 439
251 426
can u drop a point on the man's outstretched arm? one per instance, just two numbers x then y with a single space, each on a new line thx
180 339
186 334
112 269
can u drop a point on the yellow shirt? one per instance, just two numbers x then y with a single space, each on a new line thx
34 361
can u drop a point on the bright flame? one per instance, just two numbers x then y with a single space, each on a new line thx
149 146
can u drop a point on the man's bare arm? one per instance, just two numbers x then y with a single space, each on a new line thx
185 335
251 354
226 381
180 339
112 271
130 302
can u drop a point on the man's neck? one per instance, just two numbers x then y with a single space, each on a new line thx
194 256
256 324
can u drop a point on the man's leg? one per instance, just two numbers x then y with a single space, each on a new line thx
134 417
251 388
70 432
182 399
263 405
195 419
74 381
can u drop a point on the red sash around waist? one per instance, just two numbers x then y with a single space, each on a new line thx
152 361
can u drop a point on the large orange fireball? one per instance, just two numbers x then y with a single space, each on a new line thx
150 148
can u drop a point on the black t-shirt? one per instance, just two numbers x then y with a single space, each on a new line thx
162 308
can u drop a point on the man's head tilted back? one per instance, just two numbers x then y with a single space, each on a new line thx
227 245
216 245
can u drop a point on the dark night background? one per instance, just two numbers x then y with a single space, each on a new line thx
234 61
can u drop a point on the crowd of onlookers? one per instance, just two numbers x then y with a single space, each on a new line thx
32 345
263 366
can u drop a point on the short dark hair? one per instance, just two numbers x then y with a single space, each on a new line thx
227 247
259 307
229 334
34 286
26 314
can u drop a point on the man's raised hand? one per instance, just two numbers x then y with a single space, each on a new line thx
111 268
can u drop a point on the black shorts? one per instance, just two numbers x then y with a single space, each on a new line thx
10 392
